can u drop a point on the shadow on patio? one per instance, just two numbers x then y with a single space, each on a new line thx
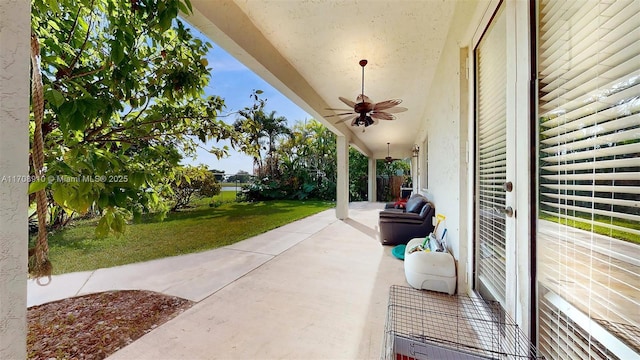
324 296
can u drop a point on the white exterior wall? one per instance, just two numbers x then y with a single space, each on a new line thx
443 119
15 30
446 122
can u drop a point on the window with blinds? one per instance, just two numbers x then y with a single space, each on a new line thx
588 236
491 156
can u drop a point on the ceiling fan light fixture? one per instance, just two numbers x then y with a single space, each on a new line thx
388 159
365 110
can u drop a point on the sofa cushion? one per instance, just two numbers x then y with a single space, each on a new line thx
415 204
425 209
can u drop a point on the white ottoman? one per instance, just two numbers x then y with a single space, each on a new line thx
429 270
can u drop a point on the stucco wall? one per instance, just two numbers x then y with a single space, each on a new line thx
443 121
14 125
446 131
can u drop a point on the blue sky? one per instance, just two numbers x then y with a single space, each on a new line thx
234 82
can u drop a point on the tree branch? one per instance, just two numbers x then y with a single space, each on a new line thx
84 44
95 131
75 23
87 73
146 105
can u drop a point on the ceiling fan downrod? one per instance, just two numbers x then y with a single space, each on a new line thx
363 63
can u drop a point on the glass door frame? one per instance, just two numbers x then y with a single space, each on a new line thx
522 157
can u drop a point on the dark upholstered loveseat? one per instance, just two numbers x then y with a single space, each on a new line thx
398 226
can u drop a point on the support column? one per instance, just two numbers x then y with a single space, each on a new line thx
372 188
342 185
15 17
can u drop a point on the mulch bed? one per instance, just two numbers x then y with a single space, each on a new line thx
97 325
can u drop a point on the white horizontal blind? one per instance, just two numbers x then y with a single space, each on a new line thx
491 159
588 249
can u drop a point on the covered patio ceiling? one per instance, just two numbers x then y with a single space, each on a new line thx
309 50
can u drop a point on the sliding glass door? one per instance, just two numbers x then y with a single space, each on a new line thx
588 237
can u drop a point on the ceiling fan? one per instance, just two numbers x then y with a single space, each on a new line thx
389 159
367 112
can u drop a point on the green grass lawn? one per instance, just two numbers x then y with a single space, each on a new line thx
602 230
197 229
223 197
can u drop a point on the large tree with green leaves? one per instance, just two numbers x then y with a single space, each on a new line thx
123 86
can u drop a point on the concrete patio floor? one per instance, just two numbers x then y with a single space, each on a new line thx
314 289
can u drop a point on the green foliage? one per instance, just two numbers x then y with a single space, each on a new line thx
400 167
123 87
263 189
358 175
191 180
257 127
386 171
111 221
249 126
303 166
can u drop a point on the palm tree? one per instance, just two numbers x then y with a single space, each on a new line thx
273 128
258 126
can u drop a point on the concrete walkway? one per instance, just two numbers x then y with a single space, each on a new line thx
314 289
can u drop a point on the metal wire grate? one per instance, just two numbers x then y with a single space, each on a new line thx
429 325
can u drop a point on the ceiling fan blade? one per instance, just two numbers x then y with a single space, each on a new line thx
386 104
336 109
382 115
349 103
395 109
342 114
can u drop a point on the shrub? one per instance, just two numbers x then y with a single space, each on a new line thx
192 180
